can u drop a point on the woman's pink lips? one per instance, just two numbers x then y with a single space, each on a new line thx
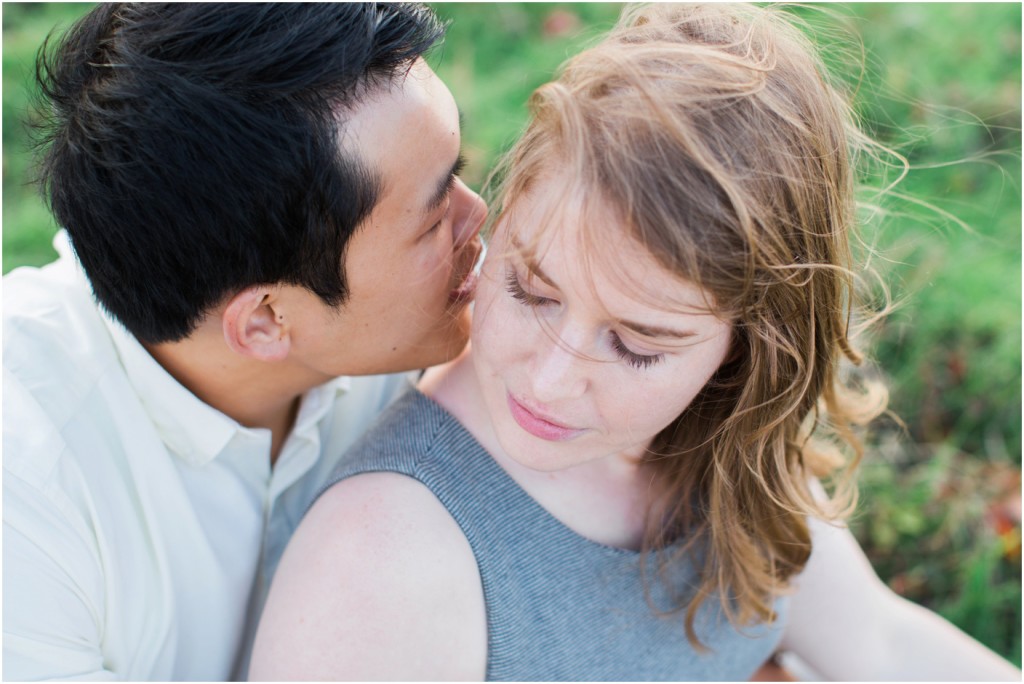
538 427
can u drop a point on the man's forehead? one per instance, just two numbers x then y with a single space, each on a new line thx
409 134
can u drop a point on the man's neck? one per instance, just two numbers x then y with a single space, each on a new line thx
255 394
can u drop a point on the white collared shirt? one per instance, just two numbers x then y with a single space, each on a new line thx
140 525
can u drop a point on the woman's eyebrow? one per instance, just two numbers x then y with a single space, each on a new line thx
531 262
656 331
638 328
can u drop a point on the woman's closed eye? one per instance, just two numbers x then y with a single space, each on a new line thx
515 288
639 361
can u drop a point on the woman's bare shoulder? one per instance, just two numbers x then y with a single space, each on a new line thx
378 583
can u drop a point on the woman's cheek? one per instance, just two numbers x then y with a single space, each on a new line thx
491 324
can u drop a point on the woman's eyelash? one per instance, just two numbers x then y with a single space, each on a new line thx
632 358
515 289
639 361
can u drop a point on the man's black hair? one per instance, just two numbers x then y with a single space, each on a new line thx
191 150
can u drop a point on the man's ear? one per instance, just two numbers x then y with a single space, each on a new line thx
254 326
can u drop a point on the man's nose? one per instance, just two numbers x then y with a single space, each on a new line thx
468 213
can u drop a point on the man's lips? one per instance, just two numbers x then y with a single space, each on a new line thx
467 261
539 425
464 292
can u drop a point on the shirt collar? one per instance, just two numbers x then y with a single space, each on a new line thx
315 405
191 428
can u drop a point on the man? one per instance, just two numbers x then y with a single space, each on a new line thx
262 212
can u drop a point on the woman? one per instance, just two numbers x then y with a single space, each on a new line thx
618 480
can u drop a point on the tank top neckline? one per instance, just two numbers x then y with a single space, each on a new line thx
497 470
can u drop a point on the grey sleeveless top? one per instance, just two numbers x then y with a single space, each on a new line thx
559 606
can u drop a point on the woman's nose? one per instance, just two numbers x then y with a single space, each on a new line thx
559 371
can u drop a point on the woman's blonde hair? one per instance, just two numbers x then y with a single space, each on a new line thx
715 135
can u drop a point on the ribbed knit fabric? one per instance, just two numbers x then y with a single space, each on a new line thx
559 606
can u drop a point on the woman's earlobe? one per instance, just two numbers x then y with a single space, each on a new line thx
254 327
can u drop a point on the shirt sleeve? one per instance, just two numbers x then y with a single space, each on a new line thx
52 577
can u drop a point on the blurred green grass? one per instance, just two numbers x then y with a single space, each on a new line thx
940 517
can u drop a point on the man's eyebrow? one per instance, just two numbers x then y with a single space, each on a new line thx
446 185
639 328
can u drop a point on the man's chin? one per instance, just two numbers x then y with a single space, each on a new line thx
437 352
456 340
439 346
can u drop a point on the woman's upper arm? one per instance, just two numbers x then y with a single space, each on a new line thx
848 625
378 583
838 600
